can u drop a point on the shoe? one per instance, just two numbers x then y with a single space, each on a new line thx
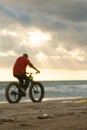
23 92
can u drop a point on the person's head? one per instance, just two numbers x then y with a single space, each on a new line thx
25 55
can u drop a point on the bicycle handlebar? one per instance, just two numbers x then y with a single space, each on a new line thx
32 73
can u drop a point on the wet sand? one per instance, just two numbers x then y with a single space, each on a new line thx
47 115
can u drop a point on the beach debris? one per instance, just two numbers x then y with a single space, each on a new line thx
7 119
80 101
75 101
66 101
44 116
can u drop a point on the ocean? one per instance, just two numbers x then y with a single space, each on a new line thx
55 90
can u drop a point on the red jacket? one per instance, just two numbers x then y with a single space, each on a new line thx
20 65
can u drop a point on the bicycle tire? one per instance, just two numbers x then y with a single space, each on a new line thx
7 93
32 94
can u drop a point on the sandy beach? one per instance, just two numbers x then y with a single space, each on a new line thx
47 115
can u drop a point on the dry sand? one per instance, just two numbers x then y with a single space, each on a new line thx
47 115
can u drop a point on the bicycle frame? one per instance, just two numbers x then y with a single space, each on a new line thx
30 75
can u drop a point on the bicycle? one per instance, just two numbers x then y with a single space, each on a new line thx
36 91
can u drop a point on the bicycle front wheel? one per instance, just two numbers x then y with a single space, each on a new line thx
36 92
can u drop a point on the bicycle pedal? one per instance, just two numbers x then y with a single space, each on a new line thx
23 92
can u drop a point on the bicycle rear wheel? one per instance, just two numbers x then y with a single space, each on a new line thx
36 92
12 93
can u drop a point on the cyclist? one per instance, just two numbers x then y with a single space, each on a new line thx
19 71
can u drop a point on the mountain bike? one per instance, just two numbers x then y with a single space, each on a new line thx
36 90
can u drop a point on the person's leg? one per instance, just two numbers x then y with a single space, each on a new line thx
26 81
23 80
20 78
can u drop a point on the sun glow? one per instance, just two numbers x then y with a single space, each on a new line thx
36 38
47 74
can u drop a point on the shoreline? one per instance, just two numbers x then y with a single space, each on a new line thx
48 99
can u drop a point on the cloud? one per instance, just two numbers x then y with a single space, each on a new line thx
64 20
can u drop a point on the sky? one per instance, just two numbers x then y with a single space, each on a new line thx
52 32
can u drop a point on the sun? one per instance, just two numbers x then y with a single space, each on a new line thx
36 38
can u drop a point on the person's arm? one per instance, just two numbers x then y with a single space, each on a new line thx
32 66
35 69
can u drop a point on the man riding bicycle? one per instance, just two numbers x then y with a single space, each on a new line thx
19 71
